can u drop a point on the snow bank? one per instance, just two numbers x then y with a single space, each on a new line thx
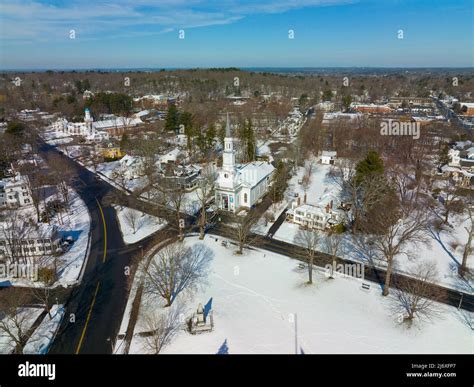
43 336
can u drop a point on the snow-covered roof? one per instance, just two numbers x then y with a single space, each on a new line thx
170 156
252 173
117 123
328 154
128 160
142 113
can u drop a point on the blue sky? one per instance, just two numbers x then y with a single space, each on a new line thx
145 33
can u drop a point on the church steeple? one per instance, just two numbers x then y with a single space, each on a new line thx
228 156
227 126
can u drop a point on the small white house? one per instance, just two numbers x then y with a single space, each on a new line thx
170 157
328 157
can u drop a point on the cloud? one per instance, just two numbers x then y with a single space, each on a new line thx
43 20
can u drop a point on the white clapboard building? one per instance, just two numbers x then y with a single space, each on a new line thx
240 186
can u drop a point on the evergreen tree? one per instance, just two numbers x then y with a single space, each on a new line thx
346 102
186 121
210 136
371 164
251 142
124 142
16 128
327 95
171 118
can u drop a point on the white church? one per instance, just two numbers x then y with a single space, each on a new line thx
240 186
94 129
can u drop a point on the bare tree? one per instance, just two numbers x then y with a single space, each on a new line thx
131 218
306 180
177 268
44 296
309 240
332 243
415 296
162 326
173 196
119 175
14 230
204 193
361 196
452 201
398 231
243 228
468 246
61 176
36 182
15 322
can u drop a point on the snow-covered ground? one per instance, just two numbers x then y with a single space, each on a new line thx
263 226
76 224
257 297
109 170
444 248
321 185
145 224
27 317
41 339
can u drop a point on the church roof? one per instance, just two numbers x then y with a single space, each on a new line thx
252 173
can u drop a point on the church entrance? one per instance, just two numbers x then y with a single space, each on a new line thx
225 202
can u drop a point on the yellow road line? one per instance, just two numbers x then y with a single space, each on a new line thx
78 349
105 230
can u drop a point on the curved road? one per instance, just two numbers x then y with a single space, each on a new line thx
94 309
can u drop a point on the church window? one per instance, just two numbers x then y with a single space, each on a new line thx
245 198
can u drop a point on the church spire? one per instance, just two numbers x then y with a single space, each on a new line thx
228 156
228 127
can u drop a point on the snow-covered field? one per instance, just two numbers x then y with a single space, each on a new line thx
256 299
145 224
27 317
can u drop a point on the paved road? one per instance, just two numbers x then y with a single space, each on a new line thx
276 225
98 303
94 309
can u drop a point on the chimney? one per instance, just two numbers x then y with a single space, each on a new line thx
298 201
305 198
327 209
331 204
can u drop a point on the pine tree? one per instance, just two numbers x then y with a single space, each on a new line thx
171 118
210 136
371 164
